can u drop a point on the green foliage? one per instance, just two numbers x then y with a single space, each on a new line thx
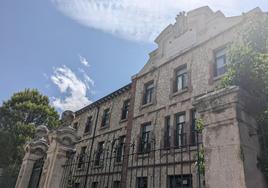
199 125
248 62
18 118
200 157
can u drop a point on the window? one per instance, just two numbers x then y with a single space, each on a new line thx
125 109
99 154
141 182
148 93
88 125
94 184
179 134
220 62
167 132
116 184
75 126
193 127
181 79
120 149
180 181
145 142
81 157
76 185
105 118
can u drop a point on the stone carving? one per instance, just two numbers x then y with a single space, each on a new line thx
41 132
181 25
67 118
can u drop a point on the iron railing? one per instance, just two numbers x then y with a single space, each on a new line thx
172 167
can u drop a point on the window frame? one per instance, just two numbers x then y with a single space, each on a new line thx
88 126
81 157
105 121
180 178
119 153
75 125
180 134
100 150
216 58
125 109
143 179
148 93
184 78
145 142
167 132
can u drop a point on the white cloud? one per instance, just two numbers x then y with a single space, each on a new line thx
83 61
141 20
70 85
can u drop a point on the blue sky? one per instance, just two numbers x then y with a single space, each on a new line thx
76 51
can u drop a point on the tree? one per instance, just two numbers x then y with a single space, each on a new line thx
18 118
248 62
248 69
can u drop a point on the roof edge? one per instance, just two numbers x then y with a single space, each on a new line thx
104 99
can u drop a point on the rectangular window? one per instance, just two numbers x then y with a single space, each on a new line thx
77 185
179 132
116 184
176 181
99 154
95 185
88 125
145 142
120 149
220 62
193 127
125 109
181 79
81 158
167 132
148 93
141 182
75 125
105 118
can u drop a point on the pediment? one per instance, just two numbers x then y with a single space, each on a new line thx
189 30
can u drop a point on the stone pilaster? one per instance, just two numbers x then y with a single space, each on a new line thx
230 140
62 141
35 150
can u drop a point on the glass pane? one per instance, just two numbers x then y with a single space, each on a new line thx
220 53
179 82
181 118
220 62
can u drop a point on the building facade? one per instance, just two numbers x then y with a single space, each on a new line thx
145 134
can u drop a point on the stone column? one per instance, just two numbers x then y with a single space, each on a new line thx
35 150
230 140
62 141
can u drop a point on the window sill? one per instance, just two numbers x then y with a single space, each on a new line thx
180 92
216 78
146 105
118 163
87 134
105 127
123 120
143 154
98 166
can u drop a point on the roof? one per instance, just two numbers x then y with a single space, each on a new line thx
105 99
